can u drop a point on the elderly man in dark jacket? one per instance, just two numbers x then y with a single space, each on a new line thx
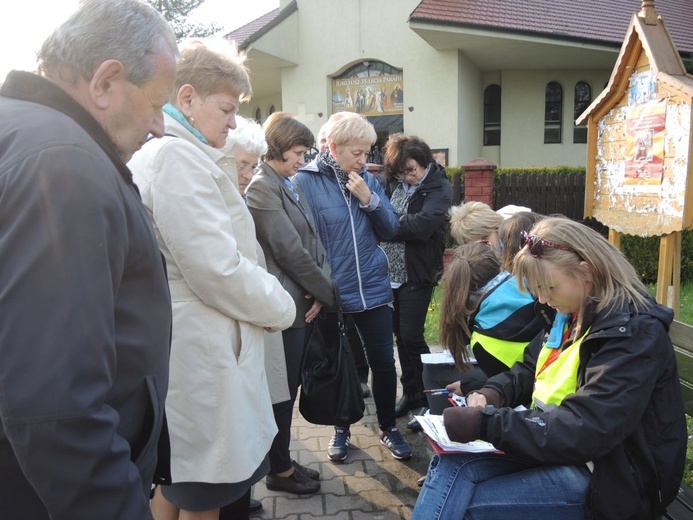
84 305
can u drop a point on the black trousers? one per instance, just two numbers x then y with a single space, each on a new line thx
409 322
294 345
238 510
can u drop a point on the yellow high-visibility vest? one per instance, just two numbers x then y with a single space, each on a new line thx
559 379
507 352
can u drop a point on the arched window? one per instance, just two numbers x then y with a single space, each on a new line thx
583 98
272 110
492 115
553 113
258 115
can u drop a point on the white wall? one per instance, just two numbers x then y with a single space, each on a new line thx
445 89
333 36
522 117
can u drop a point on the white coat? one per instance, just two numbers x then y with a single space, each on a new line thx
218 405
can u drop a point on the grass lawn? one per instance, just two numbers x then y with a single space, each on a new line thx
686 315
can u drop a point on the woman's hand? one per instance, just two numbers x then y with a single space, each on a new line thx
359 188
314 310
455 388
476 399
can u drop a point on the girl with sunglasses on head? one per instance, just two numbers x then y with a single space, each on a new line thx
605 435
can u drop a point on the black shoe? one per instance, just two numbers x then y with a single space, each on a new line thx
413 424
307 472
255 506
408 402
365 391
295 483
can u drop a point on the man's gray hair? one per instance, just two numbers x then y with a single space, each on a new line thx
129 31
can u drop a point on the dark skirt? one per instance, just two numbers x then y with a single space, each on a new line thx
202 496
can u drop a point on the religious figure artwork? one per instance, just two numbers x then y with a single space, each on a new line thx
645 126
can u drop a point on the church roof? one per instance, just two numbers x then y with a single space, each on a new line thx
586 20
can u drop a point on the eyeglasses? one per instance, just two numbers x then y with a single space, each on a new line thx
408 172
245 166
537 244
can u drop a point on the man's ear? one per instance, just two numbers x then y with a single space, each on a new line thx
185 97
107 79
333 148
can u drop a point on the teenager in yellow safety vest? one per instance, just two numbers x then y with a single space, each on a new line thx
605 435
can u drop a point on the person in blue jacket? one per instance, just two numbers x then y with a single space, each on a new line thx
353 214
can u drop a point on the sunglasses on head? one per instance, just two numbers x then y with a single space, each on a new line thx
537 244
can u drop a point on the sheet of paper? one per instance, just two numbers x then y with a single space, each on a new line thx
433 427
442 358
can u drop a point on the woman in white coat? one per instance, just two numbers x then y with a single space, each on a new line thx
218 406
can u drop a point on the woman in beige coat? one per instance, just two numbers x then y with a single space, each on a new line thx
218 406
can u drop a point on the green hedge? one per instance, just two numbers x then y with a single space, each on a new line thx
538 171
643 253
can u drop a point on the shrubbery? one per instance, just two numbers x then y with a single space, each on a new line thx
643 253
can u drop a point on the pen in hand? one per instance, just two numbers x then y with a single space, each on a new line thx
438 391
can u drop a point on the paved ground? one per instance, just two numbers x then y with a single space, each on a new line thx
371 484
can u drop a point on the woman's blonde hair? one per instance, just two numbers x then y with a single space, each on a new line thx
473 221
614 280
348 128
472 266
212 66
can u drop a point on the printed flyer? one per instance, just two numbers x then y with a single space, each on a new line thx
645 125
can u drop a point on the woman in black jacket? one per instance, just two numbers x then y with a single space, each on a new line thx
421 194
605 436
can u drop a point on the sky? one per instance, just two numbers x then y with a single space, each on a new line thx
25 25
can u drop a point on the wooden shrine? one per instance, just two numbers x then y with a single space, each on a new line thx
639 147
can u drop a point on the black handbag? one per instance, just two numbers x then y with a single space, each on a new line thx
330 386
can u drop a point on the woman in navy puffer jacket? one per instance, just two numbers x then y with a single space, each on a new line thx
353 214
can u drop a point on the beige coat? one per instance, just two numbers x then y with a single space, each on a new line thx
218 406
275 360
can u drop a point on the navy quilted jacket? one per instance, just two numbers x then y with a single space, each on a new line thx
351 236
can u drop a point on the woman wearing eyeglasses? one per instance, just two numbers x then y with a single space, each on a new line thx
605 436
420 194
245 144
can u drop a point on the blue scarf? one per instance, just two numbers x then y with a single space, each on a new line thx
180 117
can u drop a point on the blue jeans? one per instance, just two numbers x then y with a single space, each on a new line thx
375 327
484 486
